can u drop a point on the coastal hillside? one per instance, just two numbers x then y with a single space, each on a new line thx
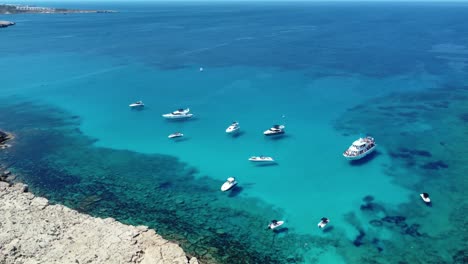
33 231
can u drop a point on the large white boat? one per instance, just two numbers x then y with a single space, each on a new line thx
261 159
137 104
274 130
233 128
360 148
230 182
179 114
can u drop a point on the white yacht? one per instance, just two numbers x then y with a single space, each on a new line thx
179 114
323 222
230 182
233 128
137 104
425 197
360 148
274 130
261 159
274 224
175 135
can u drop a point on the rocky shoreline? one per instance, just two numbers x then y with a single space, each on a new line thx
34 231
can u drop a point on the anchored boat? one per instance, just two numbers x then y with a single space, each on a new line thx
360 148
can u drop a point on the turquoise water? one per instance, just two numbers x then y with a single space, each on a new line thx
324 78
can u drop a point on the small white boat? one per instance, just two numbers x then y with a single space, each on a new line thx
261 159
274 224
234 127
360 148
179 114
175 135
323 222
274 130
137 104
231 182
425 197
201 69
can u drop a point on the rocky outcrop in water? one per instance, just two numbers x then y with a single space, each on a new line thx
33 231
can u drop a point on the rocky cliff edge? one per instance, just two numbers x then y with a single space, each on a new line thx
33 231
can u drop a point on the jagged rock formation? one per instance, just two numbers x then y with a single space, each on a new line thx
33 231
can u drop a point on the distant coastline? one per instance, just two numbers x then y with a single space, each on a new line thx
6 9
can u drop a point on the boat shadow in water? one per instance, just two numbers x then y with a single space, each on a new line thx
327 229
179 139
278 137
137 109
281 230
238 134
235 191
181 120
366 159
266 164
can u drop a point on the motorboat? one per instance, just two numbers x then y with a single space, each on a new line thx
137 104
201 69
425 197
323 222
360 148
274 130
274 224
233 128
179 114
175 135
261 159
230 182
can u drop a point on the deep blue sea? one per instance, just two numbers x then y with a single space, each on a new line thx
330 72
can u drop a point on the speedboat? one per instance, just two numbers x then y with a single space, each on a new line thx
274 130
425 197
179 114
274 224
137 104
234 127
231 182
261 159
360 148
175 135
323 222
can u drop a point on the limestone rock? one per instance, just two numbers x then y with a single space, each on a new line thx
32 231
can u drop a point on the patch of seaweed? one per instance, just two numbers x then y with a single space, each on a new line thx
434 165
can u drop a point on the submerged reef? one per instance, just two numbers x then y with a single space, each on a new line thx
425 135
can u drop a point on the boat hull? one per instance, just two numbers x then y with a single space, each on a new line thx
360 156
278 224
227 186
170 116
261 160
232 131
273 134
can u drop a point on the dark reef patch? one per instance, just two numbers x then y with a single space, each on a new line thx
434 165
464 117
